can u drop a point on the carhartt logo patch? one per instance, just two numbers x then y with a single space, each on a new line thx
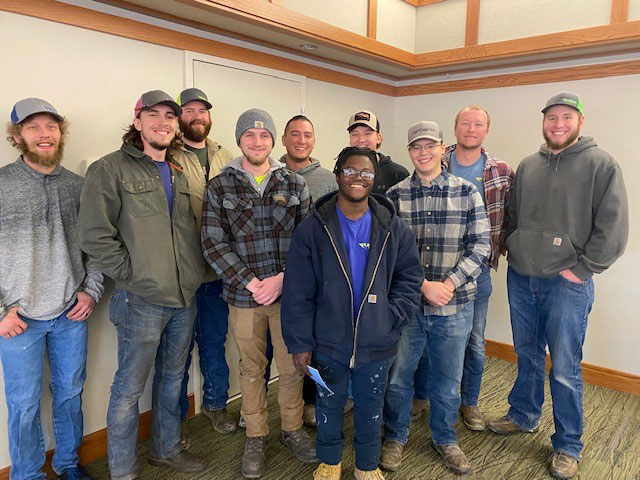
373 298
258 124
557 241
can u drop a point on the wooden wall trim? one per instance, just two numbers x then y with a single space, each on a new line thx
123 27
583 72
422 3
619 11
604 377
372 19
94 445
472 23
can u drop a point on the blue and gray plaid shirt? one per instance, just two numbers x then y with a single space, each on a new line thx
450 224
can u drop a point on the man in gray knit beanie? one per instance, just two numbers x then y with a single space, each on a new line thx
255 118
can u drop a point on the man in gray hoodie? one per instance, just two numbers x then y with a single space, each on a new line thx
567 219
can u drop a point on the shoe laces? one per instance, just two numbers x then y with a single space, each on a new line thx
298 436
325 470
254 445
372 475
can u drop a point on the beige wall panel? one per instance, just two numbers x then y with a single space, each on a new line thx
441 26
397 24
350 15
508 19
634 10
613 328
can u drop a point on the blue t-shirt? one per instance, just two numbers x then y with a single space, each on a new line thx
165 175
356 235
472 173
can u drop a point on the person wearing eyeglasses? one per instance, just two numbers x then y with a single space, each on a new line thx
351 283
448 218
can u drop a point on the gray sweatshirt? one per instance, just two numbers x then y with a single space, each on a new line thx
567 211
41 264
319 180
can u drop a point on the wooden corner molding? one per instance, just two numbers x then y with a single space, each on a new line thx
601 376
619 11
422 3
372 19
473 23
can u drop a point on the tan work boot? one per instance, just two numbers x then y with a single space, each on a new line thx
472 418
328 472
222 422
417 407
504 426
367 474
391 455
254 457
563 466
453 457
309 414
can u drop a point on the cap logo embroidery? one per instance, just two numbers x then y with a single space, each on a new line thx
258 124
362 116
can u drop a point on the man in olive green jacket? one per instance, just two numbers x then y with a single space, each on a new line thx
137 226
202 159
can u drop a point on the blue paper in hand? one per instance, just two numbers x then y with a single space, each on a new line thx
315 376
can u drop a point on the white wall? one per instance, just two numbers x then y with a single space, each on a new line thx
610 117
397 24
441 26
350 15
634 10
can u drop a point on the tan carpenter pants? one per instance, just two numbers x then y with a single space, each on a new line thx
249 326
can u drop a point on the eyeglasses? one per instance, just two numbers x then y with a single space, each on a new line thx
353 173
431 147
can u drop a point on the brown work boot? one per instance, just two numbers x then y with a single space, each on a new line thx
453 457
184 462
185 441
562 465
309 414
328 472
391 455
367 474
254 457
301 444
504 426
417 407
222 422
472 418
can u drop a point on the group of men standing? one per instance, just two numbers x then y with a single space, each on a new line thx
382 285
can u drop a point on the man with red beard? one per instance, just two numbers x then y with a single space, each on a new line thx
202 160
137 224
567 219
46 292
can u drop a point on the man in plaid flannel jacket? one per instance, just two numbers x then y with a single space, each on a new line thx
249 214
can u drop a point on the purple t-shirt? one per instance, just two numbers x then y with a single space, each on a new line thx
356 235
165 175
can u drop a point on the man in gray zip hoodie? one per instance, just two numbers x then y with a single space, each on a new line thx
567 219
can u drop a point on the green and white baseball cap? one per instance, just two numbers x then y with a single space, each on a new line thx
569 99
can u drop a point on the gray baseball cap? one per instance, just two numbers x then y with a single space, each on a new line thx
191 94
154 97
424 129
569 99
255 118
30 106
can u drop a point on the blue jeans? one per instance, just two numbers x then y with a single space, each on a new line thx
474 354
445 339
553 312
147 334
369 382
22 363
210 331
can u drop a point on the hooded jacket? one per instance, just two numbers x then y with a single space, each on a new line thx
389 173
567 211
317 310
319 180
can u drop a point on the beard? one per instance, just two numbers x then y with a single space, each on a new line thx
49 160
257 161
191 133
561 145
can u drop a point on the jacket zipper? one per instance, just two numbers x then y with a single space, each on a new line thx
352 361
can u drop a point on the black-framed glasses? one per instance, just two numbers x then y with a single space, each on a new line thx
353 173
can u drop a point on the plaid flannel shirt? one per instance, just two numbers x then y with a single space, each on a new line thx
451 228
498 179
246 233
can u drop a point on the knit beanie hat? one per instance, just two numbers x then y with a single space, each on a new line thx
255 118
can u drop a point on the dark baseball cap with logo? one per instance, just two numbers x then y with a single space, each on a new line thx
569 99
424 129
154 97
30 106
366 118
193 94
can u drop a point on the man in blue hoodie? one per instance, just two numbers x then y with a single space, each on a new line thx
567 219
352 281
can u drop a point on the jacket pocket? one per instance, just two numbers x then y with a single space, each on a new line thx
240 214
285 207
183 199
334 315
140 198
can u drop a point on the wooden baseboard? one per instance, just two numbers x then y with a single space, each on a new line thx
604 377
94 445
